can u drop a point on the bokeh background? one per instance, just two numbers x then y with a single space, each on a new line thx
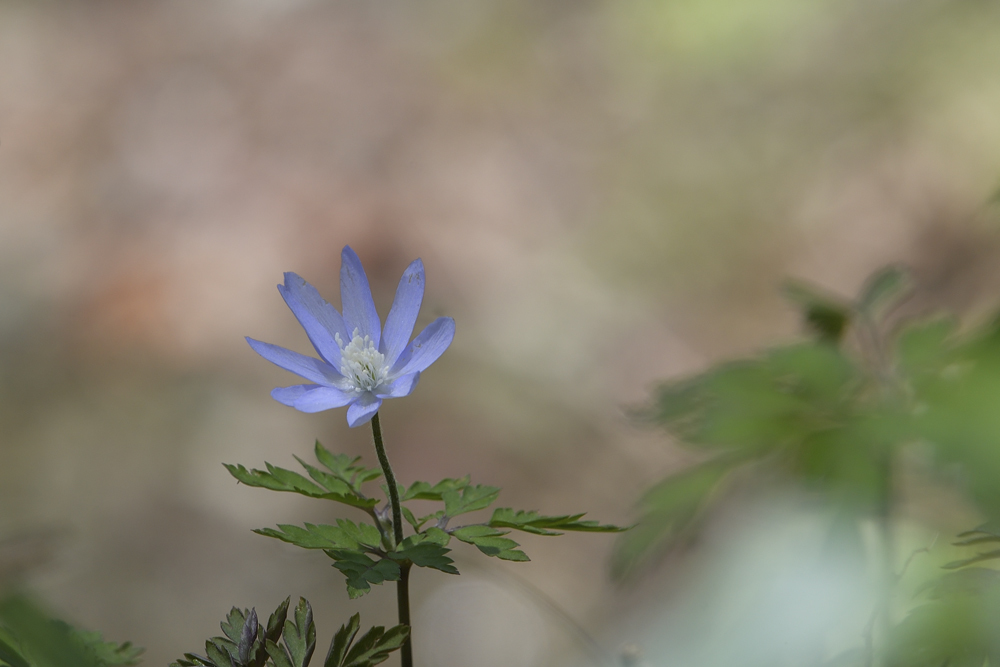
605 193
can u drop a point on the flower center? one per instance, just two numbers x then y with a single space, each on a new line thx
362 365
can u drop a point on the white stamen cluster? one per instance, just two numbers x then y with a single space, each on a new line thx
362 365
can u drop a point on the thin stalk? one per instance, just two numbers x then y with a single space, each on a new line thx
403 585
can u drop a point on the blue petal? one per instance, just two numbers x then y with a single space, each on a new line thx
300 364
362 409
322 398
403 315
426 347
401 386
320 320
288 395
356 298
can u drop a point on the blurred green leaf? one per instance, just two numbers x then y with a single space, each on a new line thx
882 288
958 627
826 316
665 511
30 638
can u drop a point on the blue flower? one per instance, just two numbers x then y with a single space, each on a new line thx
360 363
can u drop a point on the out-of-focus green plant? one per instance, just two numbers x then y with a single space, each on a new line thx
31 638
833 415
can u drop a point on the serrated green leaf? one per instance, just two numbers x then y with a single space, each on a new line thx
217 652
276 622
364 534
376 645
299 637
345 468
424 553
341 642
345 535
279 656
279 479
533 522
361 570
425 491
432 534
371 649
470 499
233 625
489 541
330 482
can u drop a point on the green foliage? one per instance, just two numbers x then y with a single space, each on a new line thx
362 570
30 638
489 541
470 499
833 415
425 550
827 414
345 535
244 643
366 553
826 316
883 289
956 625
533 522
341 482
666 511
373 648
298 639
248 644
426 491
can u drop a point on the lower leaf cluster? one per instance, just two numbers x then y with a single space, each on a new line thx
247 643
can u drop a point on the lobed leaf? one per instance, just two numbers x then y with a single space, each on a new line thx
373 648
345 535
345 468
425 491
361 570
489 541
424 552
471 498
533 522
280 479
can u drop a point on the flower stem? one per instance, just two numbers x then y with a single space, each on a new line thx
403 585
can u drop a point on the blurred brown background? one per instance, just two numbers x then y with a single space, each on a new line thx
604 193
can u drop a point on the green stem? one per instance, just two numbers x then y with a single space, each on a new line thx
403 585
